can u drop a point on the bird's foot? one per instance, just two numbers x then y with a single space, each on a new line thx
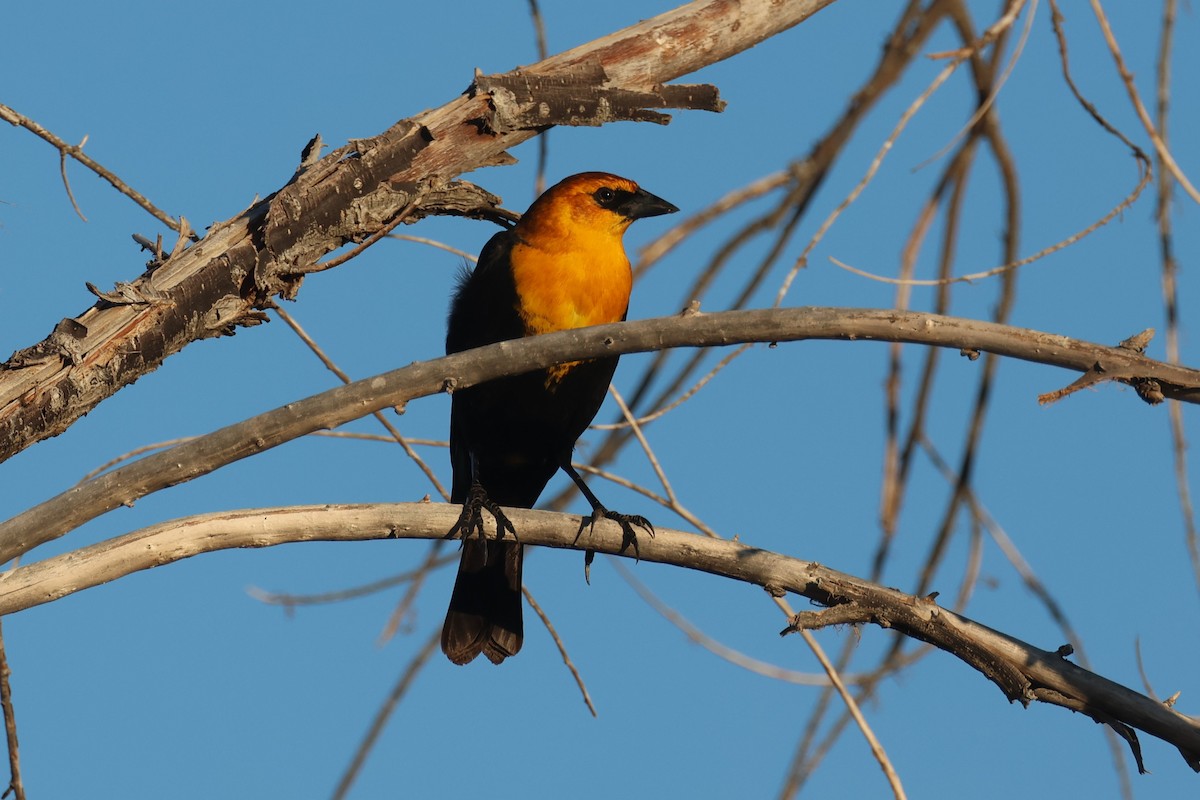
470 521
628 534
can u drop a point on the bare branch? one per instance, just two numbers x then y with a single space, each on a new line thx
1023 672
384 714
222 282
1135 98
57 516
398 437
562 648
15 784
76 152
1170 289
852 707
291 601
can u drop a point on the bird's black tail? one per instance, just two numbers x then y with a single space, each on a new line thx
485 607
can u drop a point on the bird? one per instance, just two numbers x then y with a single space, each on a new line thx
561 266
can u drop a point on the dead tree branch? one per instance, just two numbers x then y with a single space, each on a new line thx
89 499
1023 672
224 281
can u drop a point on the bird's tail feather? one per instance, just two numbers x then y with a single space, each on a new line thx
485 607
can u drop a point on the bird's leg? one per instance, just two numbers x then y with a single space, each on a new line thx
626 521
470 521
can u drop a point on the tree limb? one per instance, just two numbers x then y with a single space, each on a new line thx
199 456
1023 672
224 281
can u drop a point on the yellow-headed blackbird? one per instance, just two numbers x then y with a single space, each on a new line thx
562 266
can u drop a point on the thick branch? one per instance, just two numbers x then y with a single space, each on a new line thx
77 505
1024 672
522 100
223 281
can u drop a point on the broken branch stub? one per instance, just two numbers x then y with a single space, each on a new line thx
581 96
219 283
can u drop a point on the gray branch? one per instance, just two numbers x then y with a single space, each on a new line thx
58 515
1023 672
224 281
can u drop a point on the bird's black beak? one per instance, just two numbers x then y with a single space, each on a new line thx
643 204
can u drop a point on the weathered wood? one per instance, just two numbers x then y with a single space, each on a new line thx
1024 672
220 283
58 515
582 95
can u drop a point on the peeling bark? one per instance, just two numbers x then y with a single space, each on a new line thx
222 282
581 95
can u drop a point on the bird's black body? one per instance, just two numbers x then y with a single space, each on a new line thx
520 429
509 436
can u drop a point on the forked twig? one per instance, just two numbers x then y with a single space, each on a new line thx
76 152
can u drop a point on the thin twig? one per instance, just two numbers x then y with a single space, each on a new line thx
134 453
62 168
368 437
290 601
1170 291
15 784
384 713
432 561
876 748
723 651
654 252
646 448
344 378
1141 665
1160 145
406 237
379 437
876 162
994 87
1143 181
894 466
539 29
687 395
74 151
395 222
1011 552
562 648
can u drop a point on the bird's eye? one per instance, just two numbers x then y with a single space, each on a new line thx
605 196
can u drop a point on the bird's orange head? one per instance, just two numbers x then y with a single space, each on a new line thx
593 205
568 261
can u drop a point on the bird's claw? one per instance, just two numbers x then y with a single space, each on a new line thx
470 520
628 535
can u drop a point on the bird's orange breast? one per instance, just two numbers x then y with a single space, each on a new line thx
573 285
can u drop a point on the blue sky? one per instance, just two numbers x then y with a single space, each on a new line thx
177 683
